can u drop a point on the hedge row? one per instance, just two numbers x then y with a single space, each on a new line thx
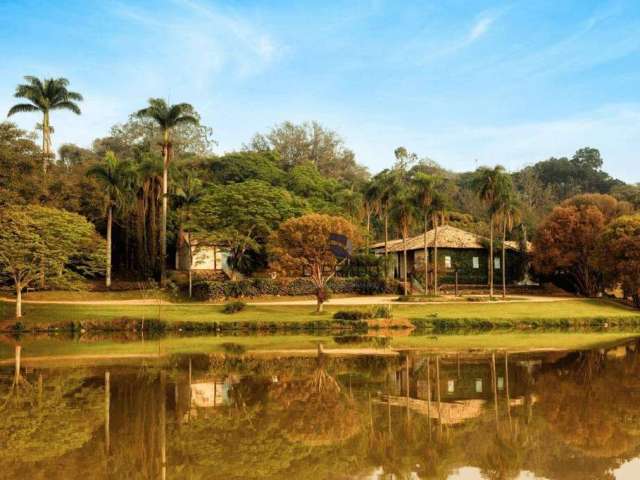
255 287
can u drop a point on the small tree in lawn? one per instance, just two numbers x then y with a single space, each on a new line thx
620 255
302 244
34 237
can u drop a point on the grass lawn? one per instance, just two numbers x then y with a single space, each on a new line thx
578 309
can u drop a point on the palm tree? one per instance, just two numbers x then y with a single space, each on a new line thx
488 183
403 210
371 206
149 195
167 117
424 185
44 96
508 212
386 187
188 193
116 177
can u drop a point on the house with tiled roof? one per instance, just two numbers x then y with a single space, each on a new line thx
458 251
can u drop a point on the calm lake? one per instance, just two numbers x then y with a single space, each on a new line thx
233 412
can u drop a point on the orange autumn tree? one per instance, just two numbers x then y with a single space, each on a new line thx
301 246
568 240
620 255
567 243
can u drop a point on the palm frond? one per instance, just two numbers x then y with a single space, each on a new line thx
67 105
186 119
22 108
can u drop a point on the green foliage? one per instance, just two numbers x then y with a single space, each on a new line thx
311 143
233 307
242 216
254 287
34 237
20 166
380 311
239 167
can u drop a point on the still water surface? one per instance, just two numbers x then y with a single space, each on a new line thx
410 415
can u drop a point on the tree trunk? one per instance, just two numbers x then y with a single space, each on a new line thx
404 262
107 411
490 272
163 221
109 243
319 305
426 255
386 245
494 382
435 255
368 230
18 299
504 260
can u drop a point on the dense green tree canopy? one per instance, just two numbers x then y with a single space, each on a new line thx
243 215
311 142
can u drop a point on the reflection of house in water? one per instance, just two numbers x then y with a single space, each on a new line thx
210 394
465 385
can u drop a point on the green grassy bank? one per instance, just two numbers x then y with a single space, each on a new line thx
578 312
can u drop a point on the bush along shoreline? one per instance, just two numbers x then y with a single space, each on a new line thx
127 324
452 325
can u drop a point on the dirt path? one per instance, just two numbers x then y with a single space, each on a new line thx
346 301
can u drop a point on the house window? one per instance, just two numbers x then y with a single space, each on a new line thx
476 262
500 383
447 262
496 263
451 386
478 385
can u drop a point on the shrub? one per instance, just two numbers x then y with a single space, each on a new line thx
382 311
353 315
233 307
215 289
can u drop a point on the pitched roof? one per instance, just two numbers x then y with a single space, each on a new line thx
448 237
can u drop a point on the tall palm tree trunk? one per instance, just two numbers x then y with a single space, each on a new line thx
426 255
46 151
163 221
491 258
368 230
386 245
504 259
404 263
435 255
109 243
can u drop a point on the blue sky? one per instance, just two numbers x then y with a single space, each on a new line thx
463 82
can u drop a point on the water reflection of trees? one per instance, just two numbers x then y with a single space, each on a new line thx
590 404
572 418
56 414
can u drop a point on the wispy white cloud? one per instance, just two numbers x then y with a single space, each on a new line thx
198 41
480 27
